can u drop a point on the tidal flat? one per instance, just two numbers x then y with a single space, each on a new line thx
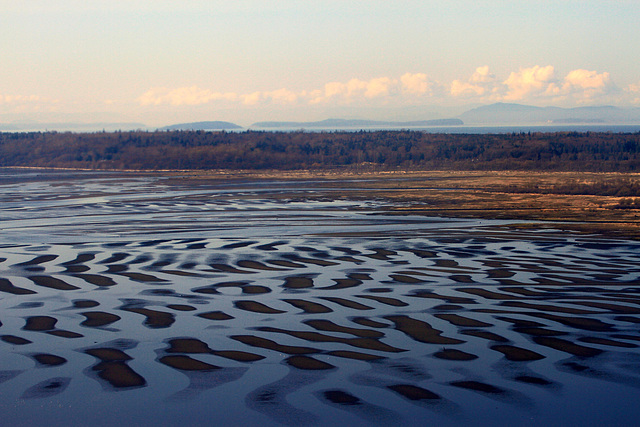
229 299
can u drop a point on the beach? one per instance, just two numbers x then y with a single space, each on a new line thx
163 298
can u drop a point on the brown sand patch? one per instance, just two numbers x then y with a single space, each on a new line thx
448 307
298 282
490 336
52 282
154 319
488 294
229 269
539 332
403 278
347 303
96 279
349 259
626 337
187 345
255 289
254 341
447 263
630 319
49 359
423 253
81 259
208 290
8 287
255 265
12 339
446 298
567 346
285 263
215 315
452 354
98 318
64 334
461 278
547 307
613 308
385 300
308 306
181 307
532 380
113 369
517 354
585 323
355 355
500 273
142 277
85 303
458 320
413 392
341 398
368 343
238 356
523 291
256 307
308 363
40 323
327 325
186 363
420 331
381 254
38 260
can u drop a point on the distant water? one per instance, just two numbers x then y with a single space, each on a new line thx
150 300
480 129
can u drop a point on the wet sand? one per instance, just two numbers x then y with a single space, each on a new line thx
244 308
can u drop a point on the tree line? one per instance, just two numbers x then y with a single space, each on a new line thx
370 150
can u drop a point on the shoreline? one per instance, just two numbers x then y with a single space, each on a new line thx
453 194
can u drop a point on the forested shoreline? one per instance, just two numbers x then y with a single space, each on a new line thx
365 150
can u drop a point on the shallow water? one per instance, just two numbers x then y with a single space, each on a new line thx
140 299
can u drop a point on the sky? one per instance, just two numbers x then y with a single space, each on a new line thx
160 62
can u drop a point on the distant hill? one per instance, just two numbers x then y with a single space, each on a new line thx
504 113
343 124
217 125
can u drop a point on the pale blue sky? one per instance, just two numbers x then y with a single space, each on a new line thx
165 61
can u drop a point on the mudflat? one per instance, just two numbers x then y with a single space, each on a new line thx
314 299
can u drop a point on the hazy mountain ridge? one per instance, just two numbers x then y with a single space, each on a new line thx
208 125
346 123
505 113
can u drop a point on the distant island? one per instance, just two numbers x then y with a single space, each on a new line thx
343 123
516 114
215 125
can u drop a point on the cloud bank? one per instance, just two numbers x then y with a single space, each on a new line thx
537 84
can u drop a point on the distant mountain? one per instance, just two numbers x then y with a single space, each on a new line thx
69 126
203 126
343 124
503 113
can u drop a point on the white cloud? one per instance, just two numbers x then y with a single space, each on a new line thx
183 96
418 84
534 84
530 83
586 85
482 83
